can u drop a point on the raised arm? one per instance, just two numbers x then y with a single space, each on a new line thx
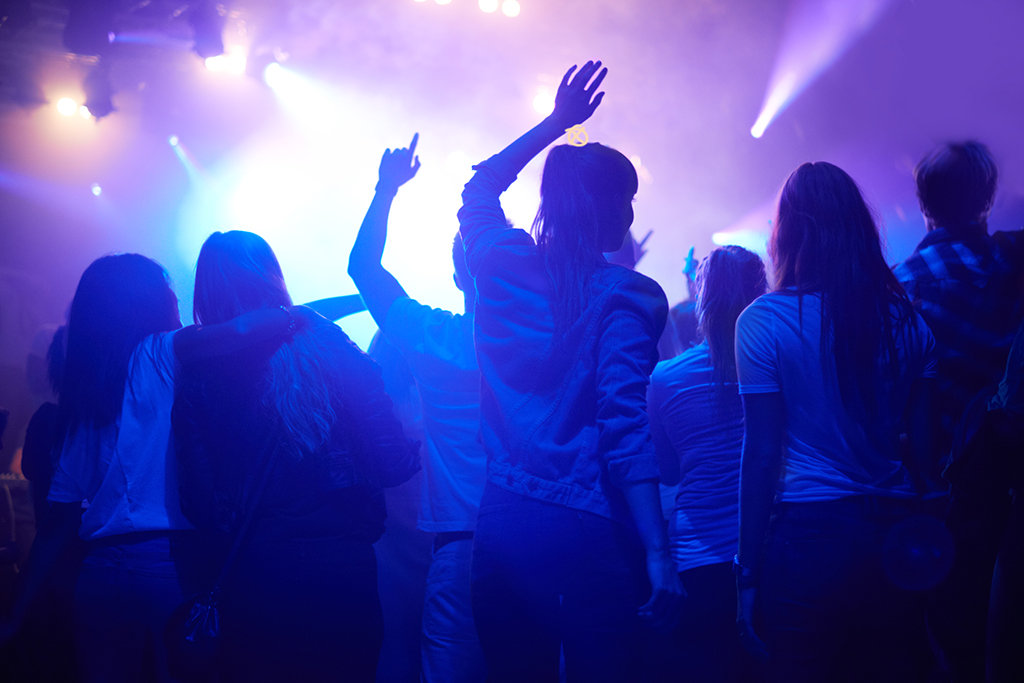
378 287
481 219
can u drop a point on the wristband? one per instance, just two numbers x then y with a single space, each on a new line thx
745 576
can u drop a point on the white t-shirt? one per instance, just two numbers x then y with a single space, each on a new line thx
827 454
701 424
127 472
438 346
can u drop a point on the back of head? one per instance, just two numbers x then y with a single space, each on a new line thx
728 280
581 189
956 185
236 272
120 301
825 240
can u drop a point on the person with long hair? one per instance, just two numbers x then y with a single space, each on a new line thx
570 547
834 366
301 600
697 426
114 482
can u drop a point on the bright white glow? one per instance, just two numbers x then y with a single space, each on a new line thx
96 189
173 141
489 5
817 33
635 160
443 2
273 74
67 106
421 0
232 61
83 111
544 101
510 8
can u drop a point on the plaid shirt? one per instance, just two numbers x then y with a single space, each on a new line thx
969 293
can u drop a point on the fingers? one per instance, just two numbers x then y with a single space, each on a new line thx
597 81
415 165
565 78
412 146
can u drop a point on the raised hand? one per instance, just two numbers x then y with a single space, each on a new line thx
575 102
398 167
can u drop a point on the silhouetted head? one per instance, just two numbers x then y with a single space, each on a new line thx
956 185
120 301
586 196
727 281
237 272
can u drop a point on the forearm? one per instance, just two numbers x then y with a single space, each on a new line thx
757 495
368 249
198 342
518 154
644 503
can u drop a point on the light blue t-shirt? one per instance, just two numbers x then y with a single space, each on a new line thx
700 424
828 455
438 346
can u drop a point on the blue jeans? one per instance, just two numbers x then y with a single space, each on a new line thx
124 596
833 604
545 575
450 647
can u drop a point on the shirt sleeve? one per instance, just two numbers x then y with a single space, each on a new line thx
423 335
756 366
627 353
481 219
64 487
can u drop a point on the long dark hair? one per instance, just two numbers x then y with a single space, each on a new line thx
825 241
727 281
238 272
576 190
120 301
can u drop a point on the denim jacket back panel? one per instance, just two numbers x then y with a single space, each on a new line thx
562 421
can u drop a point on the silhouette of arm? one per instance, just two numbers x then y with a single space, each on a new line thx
376 285
199 342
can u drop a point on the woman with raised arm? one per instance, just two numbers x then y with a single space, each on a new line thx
833 367
300 601
570 547
115 480
697 426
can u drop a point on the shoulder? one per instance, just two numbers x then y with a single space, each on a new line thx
635 286
695 359
406 312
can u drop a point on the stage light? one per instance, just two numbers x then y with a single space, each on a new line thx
233 61
96 190
83 111
510 8
173 141
67 106
273 74
817 33
489 5
544 101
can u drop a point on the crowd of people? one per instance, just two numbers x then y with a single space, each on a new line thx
844 444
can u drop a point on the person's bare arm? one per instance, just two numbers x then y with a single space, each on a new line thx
199 342
378 287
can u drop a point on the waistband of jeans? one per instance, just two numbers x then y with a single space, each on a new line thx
443 538
136 537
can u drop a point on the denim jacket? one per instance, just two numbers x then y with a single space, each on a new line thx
562 420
